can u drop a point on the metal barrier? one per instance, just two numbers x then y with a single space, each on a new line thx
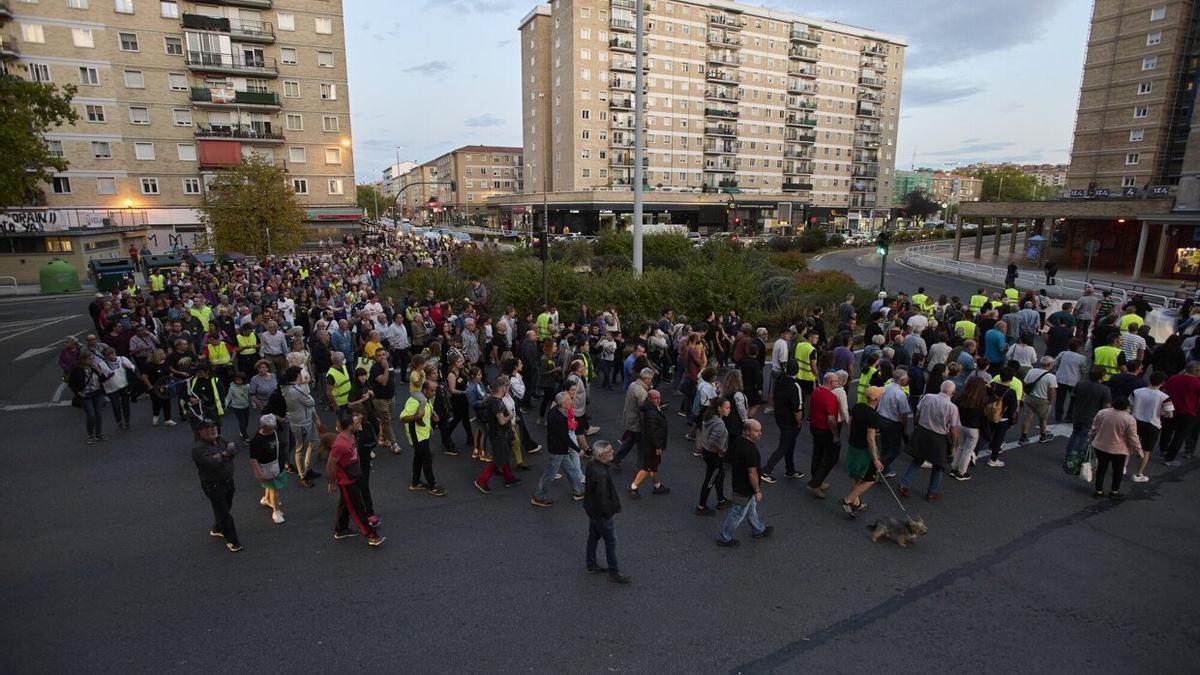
7 282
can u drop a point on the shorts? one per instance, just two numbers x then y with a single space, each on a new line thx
1038 406
650 460
860 465
275 483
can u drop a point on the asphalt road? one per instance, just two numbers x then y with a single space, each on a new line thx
863 264
32 328
108 567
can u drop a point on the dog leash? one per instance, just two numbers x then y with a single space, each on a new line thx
888 485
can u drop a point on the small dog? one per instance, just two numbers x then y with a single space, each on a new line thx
903 533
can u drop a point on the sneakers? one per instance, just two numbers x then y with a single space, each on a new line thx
452 452
766 532
1023 440
376 541
1141 478
344 534
995 463
277 517
816 492
904 491
534 450
766 478
732 543
704 511
1173 463
848 508
862 506
372 454
541 502
214 533
481 487
170 423
515 481
232 547
794 475
91 440
660 489
1116 496
633 493
926 465
437 491
595 569
395 448
1045 438
723 504
961 476
101 437
577 496
154 421
592 431
416 487
620 578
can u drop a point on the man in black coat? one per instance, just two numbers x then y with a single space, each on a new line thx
601 503
652 442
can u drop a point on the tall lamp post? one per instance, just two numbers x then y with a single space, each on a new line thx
639 172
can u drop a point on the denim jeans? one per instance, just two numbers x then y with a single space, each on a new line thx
935 478
556 464
91 412
602 528
1079 436
785 451
739 512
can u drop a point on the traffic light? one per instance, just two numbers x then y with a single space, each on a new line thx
453 186
883 242
737 222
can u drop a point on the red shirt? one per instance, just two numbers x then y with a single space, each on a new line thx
1184 391
821 406
344 453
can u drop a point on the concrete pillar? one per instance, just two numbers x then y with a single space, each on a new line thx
978 239
958 242
1012 241
1160 261
996 237
1141 251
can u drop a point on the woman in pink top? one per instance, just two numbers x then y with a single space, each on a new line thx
1114 437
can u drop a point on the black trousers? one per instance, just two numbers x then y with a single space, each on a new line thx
160 406
714 476
824 456
785 451
400 360
119 400
1103 460
1179 431
220 496
364 483
548 394
422 463
350 506
1060 401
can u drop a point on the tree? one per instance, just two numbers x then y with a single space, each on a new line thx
30 110
1007 184
920 205
252 209
372 200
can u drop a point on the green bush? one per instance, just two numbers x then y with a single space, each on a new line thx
837 240
572 252
445 285
793 261
606 263
812 241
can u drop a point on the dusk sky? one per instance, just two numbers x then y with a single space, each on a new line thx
985 80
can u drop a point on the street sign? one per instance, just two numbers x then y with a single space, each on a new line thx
1091 248
1160 191
1129 192
1075 194
1101 192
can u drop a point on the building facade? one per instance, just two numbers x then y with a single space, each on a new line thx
464 180
952 188
739 99
390 183
171 92
907 181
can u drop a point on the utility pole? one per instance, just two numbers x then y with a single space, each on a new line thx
268 241
639 171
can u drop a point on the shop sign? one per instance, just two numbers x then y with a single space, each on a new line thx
1078 194
1160 191
1101 192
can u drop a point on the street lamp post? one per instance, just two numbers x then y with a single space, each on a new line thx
639 172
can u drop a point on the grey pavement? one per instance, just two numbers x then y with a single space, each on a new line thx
108 567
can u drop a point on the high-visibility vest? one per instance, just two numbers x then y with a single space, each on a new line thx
247 344
968 328
977 303
132 288
203 316
216 397
864 383
218 353
1106 357
804 352
920 299
420 429
903 388
158 283
1012 294
303 273
1015 384
1128 319
341 384
589 372
543 326
364 363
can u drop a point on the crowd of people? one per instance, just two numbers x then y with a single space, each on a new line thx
289 342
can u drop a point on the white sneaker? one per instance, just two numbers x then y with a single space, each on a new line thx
170 423
591 431
1141 478
926 465
154 422
263 502
277 517
995 463
974 457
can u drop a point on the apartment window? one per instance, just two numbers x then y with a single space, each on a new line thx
300 186
297 155
177 81
1154 38
173 45
1129 181
1144 88
60 185
89 76
291 89
1140 112
32 32
585 114
149 186
106 185
95 113
82 37
139 115
123 6
288 55
295 122
191 186
168 10
1150 63
134 79
54 148
1158 13
182 117
329 123
39 72
333 155
285 20
1136 135
328 92
101 150
143 151
323 26
187 152
1133 157
335 186
77 4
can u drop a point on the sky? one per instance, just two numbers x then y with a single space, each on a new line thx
984 80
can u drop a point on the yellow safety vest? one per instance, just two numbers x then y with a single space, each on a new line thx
804 352
919 300
1127 319
158 283
202 316
968 328
132 288
1012 294
247 344
212 382
364 363
903 388
303 273
543 326
977 303
341 385
1107 358
864 383
218 353
419 430
1014 384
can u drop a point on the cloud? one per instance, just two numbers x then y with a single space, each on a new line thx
919 92
504 43
484 120
474 6
428 68
971 147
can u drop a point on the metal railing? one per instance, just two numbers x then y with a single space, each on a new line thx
6 282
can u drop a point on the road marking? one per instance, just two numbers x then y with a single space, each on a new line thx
33 406
44 324
58 392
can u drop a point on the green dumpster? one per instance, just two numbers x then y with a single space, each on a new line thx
110 273
58 276
165 262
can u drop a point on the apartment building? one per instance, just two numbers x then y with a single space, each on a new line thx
739 100
954 188
467 177
391 177
170 92
1049 176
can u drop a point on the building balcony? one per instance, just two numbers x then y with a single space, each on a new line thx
623 84
803 54
622 25
799 153
868 141
865 171
8 48
801 121
720 149
797 187
627 66
244 30
718 40
715 58
876 82
878 65
214 62
5 11
719 167
621 104
625 159
626 45
726 22
723 94
801 87
806 36
631 5
867 157
622 142
868 111
204 98
802 70
619 123
868 95
874 49
802 102
239 132
797 169
863 185
868 127
720 130
862 201
794 136
720 76
720 113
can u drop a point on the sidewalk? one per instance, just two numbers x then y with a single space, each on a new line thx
23 290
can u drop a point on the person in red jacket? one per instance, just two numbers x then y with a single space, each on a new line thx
1181 430
823 419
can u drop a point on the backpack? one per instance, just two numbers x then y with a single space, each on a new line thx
994 410
441 404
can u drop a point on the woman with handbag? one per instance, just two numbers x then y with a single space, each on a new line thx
264 455
86 381
1113 439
